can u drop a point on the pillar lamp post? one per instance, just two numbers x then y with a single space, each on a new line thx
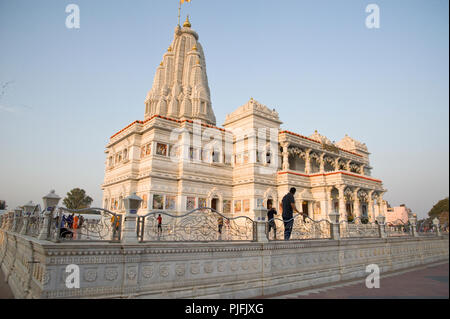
334 219
413 221
29 208
50 201
381 226
132 204
436 225
17 215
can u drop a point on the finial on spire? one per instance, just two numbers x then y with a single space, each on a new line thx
187 23
169 49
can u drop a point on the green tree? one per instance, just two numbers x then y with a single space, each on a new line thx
440 207
77 199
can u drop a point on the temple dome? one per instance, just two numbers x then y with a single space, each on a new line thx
320 138
180 87
352 145
252 107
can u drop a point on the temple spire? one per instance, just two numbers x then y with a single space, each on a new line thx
180 87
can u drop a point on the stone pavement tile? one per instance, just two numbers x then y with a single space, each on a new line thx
5 291
430 282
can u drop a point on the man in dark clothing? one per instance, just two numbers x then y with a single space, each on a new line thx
270 217
288 204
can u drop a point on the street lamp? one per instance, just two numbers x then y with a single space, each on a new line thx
50 200
29 207
132 204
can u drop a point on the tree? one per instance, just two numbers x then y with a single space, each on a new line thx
77 199
440 207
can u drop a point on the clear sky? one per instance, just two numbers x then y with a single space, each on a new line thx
66 91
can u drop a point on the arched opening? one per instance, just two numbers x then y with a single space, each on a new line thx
314 163
269 203
215 203
305 209
335 200
328 164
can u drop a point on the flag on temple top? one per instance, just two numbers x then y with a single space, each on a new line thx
183 1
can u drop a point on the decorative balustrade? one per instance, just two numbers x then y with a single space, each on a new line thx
93 224
200 225
303 228
398 229
426 228
359 228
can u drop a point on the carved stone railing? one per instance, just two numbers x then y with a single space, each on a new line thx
93 224
359 228
198 225
398 229
303 228
426 228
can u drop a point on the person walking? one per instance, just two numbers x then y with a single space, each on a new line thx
288 204
75 227
271 220
220 224
159 219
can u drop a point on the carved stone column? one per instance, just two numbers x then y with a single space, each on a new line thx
322 163
342 208
336 163
310 209
307 161
347 165
356 204
260 220
329 201
370 211
381 205
361 169
285 156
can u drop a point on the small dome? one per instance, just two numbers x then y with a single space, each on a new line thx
187 23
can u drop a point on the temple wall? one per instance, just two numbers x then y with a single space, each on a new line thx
202 270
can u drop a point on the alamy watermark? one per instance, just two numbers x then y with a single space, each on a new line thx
73 277
373 279
373 19
73 19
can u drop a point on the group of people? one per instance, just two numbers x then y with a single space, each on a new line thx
69 225
288 209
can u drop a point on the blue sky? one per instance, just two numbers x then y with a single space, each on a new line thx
314 61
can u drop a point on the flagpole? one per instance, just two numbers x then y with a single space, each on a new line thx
179 14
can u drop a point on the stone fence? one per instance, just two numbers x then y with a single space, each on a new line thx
202 254
39 269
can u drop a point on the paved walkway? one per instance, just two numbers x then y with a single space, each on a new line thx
5 291
422 282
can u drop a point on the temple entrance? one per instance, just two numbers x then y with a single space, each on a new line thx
305 208
215 203
349 209
364 210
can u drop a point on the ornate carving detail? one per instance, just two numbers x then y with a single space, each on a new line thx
147 271
245 265
195 268
164 271
111 274
180 269
221 266
46 278
90 275
208 267
131 273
